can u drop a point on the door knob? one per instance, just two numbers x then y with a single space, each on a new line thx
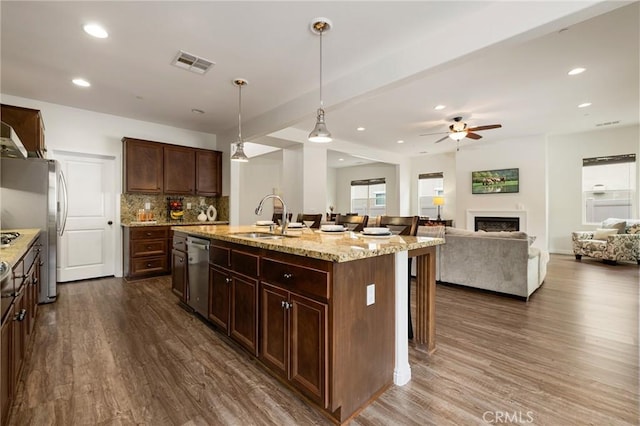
110 222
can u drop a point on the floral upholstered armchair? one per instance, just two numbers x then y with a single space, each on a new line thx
616 240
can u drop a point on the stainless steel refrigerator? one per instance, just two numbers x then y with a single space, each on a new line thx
33 195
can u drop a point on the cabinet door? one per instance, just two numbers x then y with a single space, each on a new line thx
19 334
243 325
6 374
179 273
179 170
143 166
274 345
208 172
219 284
308 322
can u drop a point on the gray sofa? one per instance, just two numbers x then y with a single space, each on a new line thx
503 262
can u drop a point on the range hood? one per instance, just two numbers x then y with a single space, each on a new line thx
10 144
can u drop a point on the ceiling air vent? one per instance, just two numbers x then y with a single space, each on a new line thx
192 63
608 123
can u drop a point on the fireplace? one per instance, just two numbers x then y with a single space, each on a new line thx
496 224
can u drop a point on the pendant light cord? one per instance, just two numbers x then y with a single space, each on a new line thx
240 112
321 103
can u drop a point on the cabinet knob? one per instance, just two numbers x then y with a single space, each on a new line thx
20 315
35 281
148 247
286 304
181 259
287 275
228 280
148 234
148 265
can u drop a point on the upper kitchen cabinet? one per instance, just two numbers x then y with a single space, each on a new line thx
143 168
208 172
29 127
179 170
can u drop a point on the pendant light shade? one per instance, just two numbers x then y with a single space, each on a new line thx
320 133
239 155
457 136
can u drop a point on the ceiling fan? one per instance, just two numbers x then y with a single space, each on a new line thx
459 130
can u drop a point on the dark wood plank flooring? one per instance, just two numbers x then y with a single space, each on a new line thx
111 352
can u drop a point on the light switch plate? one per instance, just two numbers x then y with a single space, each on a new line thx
147 206
371 294
188 206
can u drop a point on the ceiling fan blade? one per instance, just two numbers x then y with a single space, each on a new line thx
473 136
442 138
487 127
431 134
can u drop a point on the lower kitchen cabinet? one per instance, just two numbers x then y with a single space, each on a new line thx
179 274
233 297
6 370
146 251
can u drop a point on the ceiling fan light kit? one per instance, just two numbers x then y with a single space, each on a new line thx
459 130
320 133
239 155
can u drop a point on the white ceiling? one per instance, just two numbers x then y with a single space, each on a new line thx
386 65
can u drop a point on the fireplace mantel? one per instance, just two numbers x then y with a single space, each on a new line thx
521 214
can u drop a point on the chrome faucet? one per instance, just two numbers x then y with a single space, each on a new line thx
285 223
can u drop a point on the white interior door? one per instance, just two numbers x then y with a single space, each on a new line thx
86 248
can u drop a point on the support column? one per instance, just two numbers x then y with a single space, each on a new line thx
402 370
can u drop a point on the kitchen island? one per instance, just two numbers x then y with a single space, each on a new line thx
326 313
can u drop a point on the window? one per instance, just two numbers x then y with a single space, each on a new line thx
369 197
429 186
609 187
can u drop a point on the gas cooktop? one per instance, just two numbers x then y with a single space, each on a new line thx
7 237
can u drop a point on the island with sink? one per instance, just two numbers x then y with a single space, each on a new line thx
324 312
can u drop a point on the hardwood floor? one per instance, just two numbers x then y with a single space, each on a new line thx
119 353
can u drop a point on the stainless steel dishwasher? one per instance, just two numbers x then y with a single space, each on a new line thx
198 275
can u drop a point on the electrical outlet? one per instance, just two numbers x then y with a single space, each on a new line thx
371 294
188 206
147 206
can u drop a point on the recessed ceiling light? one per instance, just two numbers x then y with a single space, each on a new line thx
584 105
439 107
95 30
340 159
577 71
197 111
361 129
400 141
81 82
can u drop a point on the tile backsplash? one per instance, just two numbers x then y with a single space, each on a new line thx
131 203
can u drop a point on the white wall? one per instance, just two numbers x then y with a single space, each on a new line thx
331 188
445 163
259 177
528 155
76 130
565 154
345 175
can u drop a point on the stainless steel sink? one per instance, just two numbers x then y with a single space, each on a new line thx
260 235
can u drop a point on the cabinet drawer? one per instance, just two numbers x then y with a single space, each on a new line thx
140 248
150 233
220 256
295 277
180 243
245 263
149 265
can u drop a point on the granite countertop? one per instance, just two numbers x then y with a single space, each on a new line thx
19 246
172 223
330 246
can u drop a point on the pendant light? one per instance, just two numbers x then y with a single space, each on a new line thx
239 154
320 133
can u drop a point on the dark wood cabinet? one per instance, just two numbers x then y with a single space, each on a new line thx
159 168
233 294
28 125
146 251
19 334
208 172
6 369
143 166
294 327
179 170
179 274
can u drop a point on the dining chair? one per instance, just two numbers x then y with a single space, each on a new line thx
315 219
277 217
402 225
355 223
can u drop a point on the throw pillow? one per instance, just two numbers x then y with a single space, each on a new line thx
617 224
634 229
603 233
531 238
